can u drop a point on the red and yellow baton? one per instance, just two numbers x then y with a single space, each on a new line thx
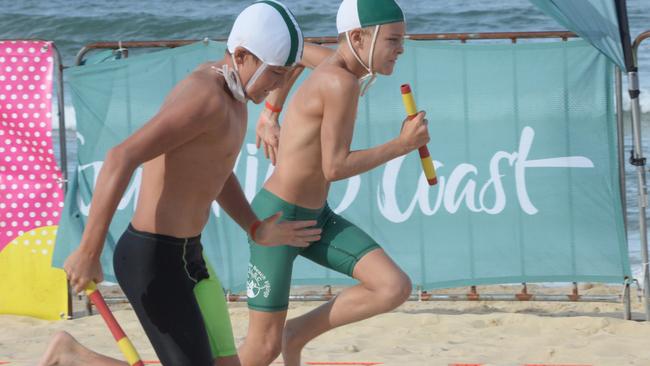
123 341
425 157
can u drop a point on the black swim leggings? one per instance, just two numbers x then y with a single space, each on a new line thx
158 274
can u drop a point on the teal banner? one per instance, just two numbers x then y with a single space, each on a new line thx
523 137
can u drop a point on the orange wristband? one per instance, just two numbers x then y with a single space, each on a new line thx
253 229
272 108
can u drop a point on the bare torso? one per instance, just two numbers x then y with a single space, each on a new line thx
298 177
178 187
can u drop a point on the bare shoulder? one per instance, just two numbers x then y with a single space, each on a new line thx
200 94
336 81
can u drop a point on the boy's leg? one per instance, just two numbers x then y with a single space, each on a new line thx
383 285
158 274
64 350
212 302
269 280
263 342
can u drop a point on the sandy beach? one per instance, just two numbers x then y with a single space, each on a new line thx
417 333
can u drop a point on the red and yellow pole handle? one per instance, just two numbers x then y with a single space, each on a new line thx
425 157
122 340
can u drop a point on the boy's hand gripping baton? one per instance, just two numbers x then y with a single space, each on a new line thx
425 157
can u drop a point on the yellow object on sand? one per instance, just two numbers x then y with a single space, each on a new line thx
28 283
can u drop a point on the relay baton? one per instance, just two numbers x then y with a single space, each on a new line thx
425 157
123 341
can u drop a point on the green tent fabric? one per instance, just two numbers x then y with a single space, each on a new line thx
603 23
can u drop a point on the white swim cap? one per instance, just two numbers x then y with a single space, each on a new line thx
269 31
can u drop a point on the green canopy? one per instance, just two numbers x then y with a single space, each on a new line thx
603 23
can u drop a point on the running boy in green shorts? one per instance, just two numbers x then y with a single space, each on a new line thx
188 151
313 151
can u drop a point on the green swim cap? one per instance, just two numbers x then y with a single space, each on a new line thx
355 14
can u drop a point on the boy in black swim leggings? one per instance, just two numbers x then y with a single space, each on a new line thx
188 151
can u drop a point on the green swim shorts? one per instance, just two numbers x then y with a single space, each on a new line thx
342 245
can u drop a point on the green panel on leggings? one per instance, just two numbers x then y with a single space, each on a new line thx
212 302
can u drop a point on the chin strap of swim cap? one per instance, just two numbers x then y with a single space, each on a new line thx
368 79
260 70
233 81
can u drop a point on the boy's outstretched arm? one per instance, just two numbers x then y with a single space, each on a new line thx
271 231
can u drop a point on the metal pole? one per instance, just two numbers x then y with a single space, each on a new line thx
63 151
425 296
463 37
620 127
627 313
639 161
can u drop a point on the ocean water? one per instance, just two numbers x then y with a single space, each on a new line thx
74 23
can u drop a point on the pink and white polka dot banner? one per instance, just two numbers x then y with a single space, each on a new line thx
30 194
